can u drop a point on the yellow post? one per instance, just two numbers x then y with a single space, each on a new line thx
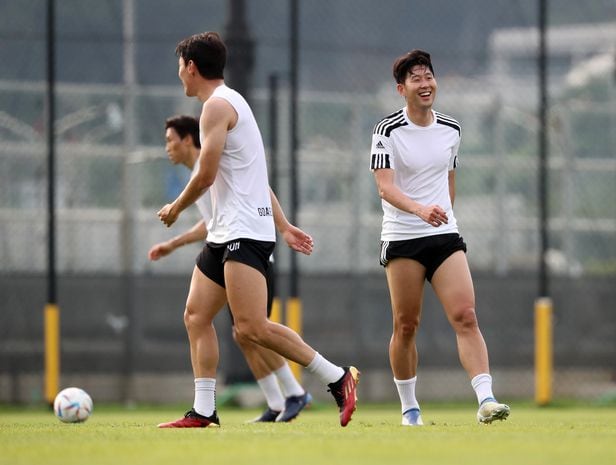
52 352
276 313
543 351
294 321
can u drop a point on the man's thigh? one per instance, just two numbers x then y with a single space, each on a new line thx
246 293
405 278
453 285
205 297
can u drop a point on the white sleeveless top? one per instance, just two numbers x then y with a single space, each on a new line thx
240 197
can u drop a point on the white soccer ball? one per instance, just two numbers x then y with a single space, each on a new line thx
73 405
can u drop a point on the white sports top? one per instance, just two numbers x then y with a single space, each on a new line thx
204 204
240 196
421 157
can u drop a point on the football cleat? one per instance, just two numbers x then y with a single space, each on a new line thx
193 419
345 393
293 405
491 410
412 417
268 416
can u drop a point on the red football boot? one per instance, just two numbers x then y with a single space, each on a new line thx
345 392
193 420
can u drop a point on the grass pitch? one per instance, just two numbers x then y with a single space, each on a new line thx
115 436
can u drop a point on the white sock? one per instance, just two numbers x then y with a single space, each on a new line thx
271 391
205 396
325 370
288 383
482 384
406 391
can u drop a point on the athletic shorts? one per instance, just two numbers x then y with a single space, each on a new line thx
211 260
430 251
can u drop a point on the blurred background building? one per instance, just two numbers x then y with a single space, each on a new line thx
117 83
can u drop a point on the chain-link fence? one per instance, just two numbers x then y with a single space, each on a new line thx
117 83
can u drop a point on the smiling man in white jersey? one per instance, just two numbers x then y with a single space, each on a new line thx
285 397
413 157
241 237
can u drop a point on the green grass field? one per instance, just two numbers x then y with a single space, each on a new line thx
556 435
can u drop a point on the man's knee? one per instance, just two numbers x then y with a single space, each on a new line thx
240 337
193 320
249 331
465 319
406 328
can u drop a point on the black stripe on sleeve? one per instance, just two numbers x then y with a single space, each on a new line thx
391 127
448 123
379 160
446 117
389 119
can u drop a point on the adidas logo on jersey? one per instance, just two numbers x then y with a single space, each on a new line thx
379 145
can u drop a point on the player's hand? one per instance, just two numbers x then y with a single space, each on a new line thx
160 250
168 215
298 240
433 215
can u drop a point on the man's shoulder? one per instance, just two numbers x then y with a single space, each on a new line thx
446 120
217 104
390 122
225 92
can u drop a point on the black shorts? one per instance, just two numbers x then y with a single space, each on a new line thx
430 251
211 260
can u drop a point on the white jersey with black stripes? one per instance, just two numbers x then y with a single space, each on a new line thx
421 157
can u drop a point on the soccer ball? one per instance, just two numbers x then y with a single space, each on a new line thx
73 405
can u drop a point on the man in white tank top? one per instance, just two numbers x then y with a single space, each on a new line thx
413 157
240 240
285 397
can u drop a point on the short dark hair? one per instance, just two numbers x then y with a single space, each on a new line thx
185 126
207 51
405 63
